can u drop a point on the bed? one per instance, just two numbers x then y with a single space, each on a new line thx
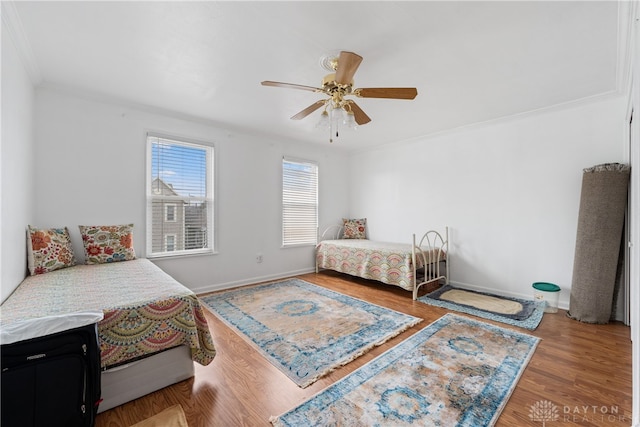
407 265
152 331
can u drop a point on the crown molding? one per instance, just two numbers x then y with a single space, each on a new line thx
626 20
11 21
476 126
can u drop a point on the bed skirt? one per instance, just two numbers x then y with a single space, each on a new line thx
136 379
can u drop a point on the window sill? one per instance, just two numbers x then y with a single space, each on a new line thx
182 254
299 245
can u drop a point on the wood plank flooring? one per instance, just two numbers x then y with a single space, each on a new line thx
582 369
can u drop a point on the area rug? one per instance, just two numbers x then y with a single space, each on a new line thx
512 311
170 417
305 330
457 371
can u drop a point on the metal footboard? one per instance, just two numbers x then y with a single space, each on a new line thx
429 256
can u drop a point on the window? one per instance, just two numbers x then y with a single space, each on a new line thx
170 242
170 213
299 202
179 197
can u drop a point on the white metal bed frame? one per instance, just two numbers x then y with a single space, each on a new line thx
432 259
432 249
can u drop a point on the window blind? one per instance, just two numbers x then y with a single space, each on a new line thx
299 202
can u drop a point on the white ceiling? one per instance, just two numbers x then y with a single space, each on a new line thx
470 61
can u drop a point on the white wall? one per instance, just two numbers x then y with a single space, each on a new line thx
90 169
16 160
509 191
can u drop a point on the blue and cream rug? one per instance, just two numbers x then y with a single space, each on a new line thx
305 330
455 372
512 311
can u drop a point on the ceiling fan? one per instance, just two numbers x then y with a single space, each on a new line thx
337 86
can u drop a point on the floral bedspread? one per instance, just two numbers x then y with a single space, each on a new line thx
382 261
145 309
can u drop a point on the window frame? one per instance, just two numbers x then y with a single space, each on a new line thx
291 244
209 198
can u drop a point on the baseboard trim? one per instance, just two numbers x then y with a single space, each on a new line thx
250 281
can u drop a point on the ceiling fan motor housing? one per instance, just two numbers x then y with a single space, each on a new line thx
330 85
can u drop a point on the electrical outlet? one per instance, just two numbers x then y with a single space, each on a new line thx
259 258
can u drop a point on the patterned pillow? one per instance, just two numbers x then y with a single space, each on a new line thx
354 228
48 250
107 243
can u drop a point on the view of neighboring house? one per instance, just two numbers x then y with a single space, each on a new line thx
178 223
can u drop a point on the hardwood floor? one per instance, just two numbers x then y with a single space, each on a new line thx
582 369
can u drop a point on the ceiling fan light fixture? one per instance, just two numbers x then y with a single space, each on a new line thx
324 120
350 120
338 115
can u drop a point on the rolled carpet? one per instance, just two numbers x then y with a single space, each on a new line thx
603 202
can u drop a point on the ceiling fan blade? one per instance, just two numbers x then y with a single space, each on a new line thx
291 86
310 109
387 92
360 116
348 63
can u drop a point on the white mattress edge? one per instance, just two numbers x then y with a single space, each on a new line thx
34 328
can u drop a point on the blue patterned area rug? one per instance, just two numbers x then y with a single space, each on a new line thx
512 311
455 372
305 330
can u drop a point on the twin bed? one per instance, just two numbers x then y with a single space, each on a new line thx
407 265
152 331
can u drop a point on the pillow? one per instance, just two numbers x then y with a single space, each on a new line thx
354 228
48 250
107 243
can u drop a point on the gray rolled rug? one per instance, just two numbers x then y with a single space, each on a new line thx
603 202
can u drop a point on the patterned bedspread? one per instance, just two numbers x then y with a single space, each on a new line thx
383 261
145 309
